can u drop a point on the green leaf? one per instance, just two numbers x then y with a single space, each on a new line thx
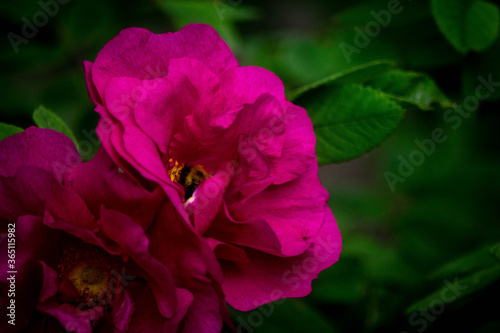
283 316
458 288
467 24
355 74
411 89
47 119
495 251
472 262
483 19
8 130
349 120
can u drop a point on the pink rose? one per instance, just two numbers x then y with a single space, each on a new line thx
94 250
235 158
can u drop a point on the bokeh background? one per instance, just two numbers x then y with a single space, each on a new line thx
418 257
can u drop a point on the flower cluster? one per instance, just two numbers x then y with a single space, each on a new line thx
205 191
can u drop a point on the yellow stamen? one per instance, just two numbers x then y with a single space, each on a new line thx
90 271
89 279
175 171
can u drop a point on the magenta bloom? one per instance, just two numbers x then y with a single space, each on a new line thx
94 250
235 158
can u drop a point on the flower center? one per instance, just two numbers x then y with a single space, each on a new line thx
89 279
92 275
89 271
190 177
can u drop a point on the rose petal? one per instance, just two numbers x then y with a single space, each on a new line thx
99 182
298 152
246 84
71 318
91 89
33 191
147 318
174 243
206 201
294 210
130 236
43 148
268 278
122 312
132 144
150 54
203 43
255 234
50 283
227 251
204 314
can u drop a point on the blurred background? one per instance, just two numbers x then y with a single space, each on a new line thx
418 255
